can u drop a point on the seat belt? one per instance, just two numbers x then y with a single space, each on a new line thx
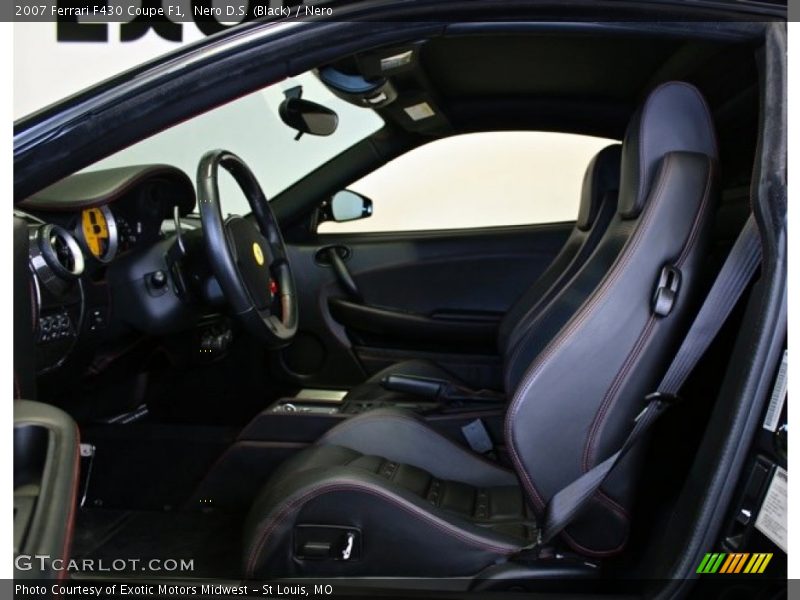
732 280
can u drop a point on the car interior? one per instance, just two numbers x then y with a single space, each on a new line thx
274 401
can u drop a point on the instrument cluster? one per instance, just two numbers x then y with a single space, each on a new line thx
104 234
82 231
97 230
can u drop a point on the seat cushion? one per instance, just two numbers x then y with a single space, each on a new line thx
372 390
499 507
414 519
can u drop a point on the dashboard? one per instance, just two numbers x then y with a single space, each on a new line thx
81 231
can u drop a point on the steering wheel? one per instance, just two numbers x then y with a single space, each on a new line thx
250 263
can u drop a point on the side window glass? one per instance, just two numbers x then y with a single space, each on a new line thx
491 179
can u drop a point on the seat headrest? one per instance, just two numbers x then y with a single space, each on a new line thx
602 177
673 118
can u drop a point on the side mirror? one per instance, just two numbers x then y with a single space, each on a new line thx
344 205
305 116
347 205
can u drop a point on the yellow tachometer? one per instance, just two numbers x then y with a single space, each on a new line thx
95 228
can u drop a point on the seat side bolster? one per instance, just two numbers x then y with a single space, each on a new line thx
329 495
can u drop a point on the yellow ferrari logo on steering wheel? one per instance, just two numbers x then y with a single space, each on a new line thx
258 254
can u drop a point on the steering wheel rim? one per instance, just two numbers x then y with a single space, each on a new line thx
251 264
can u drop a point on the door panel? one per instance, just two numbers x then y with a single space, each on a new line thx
392 327
437 295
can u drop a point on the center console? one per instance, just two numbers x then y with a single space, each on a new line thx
306 418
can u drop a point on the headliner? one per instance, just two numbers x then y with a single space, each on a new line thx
583 83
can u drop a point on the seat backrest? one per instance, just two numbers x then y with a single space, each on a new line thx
597 206
581 378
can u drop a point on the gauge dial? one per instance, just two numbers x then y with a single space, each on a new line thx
99 232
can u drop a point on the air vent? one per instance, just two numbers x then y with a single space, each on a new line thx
61 251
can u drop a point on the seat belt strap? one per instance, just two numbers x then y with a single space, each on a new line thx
732 280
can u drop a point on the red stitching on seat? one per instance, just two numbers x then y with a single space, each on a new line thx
612 394
572 326
359 487
706 116
578 320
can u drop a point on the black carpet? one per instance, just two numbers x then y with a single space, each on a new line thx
211 540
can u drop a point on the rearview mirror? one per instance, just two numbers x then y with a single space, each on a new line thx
305 116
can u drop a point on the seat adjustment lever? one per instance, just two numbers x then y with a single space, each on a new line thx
327 542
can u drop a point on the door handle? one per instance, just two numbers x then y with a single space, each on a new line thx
333 256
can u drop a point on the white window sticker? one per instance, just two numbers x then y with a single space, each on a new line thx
771 519
778 397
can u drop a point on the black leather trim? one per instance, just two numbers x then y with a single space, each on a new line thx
529 323
50 528
273 321
94 188
372 390
675 117
600 334
403 437
410 326
600 179
597 207
583 371
403 531
669 230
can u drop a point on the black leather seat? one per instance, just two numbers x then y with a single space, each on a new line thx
597 206
396 498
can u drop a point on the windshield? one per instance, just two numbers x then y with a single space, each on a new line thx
251 128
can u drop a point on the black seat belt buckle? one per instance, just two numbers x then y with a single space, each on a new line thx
669 282
477 437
